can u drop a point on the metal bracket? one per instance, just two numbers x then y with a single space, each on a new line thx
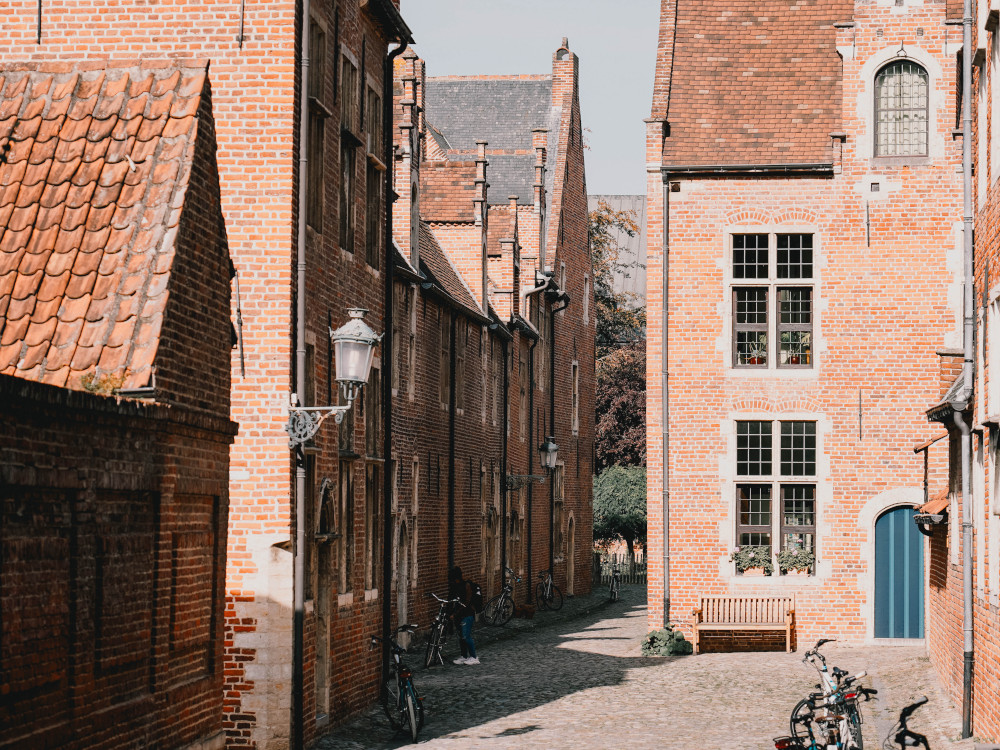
517 481
305 421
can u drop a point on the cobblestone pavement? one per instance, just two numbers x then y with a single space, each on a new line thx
576 679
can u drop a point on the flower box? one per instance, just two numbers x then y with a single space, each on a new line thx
753 572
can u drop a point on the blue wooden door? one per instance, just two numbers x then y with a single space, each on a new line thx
899 576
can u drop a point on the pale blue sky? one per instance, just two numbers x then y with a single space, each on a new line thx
614 39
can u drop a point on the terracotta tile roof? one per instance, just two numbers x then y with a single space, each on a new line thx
91 191
936 504
751 82
447 191
434 264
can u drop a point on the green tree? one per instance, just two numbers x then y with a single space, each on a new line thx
619 321
620 430
620 506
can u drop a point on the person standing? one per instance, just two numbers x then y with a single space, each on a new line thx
464 615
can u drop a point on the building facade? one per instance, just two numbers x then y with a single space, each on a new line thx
114 407
793 340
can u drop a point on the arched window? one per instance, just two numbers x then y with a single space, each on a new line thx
901 110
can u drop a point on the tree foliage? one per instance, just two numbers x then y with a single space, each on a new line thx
618 319
620 506
620 430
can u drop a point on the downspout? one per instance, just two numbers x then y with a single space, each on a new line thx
967 373
664 399
451 445
531 453
387 351
503 461
298 553
552 425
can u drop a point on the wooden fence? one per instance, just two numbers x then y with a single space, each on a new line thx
631 571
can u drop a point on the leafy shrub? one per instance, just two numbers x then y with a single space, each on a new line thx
666 642
753 557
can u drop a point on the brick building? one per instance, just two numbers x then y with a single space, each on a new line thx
491 228
799 158
114 278
256 75
943 517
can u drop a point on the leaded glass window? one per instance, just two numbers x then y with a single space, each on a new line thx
901 111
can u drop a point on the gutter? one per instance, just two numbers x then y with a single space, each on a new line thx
665 393
694 169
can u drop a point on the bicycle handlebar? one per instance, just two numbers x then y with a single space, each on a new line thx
443 601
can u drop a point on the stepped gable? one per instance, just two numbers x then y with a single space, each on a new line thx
753 82
94 166
434 265
501 110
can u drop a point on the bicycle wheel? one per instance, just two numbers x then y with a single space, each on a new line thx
434 644
854 740
555 598
391 704
411 702
499 610
614 590
540 598
802 723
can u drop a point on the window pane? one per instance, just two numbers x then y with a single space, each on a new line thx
753 448
750 256
755 539
750 326
755 504
798 541
751 306
795 306
795 256
798 449
799 504
795 326
901 110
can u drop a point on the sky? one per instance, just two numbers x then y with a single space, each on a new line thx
614 39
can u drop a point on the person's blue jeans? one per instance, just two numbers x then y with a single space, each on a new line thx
466 643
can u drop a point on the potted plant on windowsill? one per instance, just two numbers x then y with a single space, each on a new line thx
793 561
753 561
757 356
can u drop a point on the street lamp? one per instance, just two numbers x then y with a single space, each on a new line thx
548 452
354 349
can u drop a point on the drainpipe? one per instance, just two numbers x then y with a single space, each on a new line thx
967 373
503 461
564 298
388 270
664 398
531 452
298 551
451 445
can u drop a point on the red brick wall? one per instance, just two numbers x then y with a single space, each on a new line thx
113 568
879 320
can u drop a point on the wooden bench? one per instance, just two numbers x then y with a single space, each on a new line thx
745 613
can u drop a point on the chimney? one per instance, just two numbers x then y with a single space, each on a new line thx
481 186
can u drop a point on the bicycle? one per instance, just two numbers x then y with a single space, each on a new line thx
441 630
402 706
830 718
547 594
614 588
500 608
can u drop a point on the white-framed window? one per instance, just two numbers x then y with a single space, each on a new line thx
772 298
775 484
901 109
586 299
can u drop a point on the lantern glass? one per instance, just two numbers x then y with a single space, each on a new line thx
353 351
548 452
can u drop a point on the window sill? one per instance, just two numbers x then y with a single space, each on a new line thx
890 162
793 372
345 600
371 595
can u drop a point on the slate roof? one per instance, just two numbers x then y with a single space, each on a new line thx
501 111
752 82
434 264
91 193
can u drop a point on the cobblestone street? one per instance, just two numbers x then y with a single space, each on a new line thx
581 682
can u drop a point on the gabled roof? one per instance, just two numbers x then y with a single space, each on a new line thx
434 264
92 188
751 82
503 111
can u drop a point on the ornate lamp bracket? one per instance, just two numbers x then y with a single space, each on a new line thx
305 421
517 481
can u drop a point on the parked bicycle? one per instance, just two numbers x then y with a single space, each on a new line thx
500 608
547 594
831 718
614 588
441 630
402 706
